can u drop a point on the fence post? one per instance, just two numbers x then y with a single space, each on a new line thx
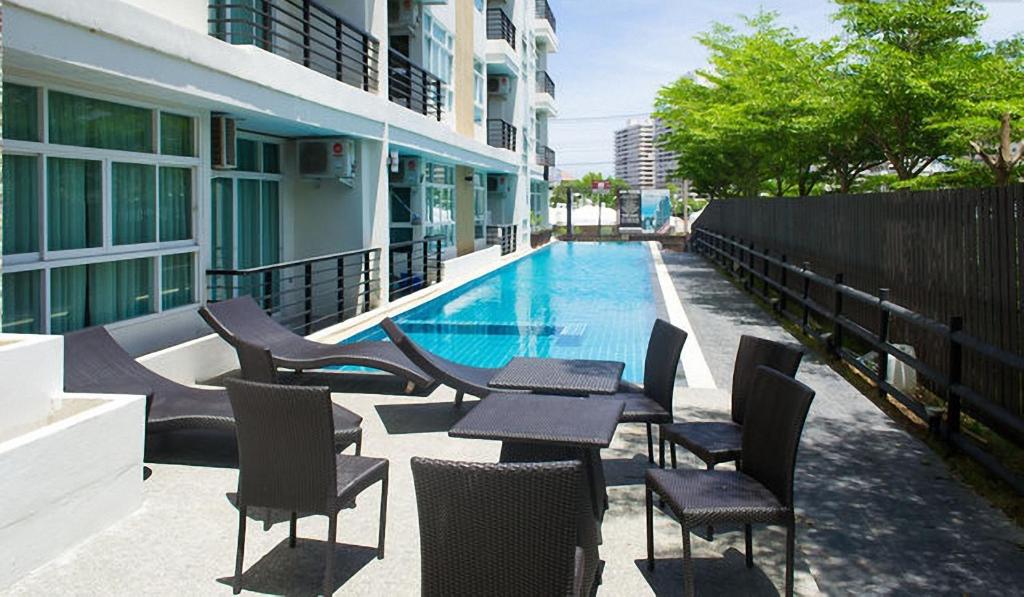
956 324
426 264
748 279
837 327
306 39
268 291
807 294
309 298
764 273
366 284
408 264
341 288
883 338
783 285
438 264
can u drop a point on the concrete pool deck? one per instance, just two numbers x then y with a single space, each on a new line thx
878 512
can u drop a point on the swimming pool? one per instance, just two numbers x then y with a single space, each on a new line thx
567 300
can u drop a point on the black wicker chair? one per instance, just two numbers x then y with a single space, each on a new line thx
499 529
257 365
95 362
715 442
286 461
464 379
651 403
761 493
241 320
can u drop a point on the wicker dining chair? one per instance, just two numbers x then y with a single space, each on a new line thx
257 365
761 493
286 461
715 442
498 529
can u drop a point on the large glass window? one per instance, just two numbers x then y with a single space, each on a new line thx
439 219
21 303
74 204
133 193
240 22
479 91
21 112
99 293
176 136
20 204
438 50
175 204
89 122
479 206
177 275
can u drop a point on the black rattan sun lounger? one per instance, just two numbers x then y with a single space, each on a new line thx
242 319
95 363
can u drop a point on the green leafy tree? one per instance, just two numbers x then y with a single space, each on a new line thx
584 186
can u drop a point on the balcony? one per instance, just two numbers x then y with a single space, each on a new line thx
545 84
304 32
544 26
413 87
545 156
501 134
499 26
544 100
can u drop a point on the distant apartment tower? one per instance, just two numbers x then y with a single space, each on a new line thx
639 160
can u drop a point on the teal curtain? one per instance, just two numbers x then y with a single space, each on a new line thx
176 275
67 299
133 194
249 228
74 204
21 303
119 290
176 135
270 233
20 204
88 122
248 156
175 204
222 237
271 158
21 112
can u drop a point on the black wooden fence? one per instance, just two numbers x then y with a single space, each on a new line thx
942 271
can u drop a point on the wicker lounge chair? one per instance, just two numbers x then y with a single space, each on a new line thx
241 320
716 442
95 362
499 529
651 403
761 493
286 462
463 378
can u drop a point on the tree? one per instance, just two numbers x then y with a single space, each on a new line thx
584 186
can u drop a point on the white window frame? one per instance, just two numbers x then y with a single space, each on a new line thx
439 56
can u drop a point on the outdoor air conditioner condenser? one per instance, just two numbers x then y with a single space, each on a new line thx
222 142
327 158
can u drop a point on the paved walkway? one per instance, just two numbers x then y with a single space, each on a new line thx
879 511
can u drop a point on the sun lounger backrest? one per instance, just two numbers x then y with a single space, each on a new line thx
92 356
242 319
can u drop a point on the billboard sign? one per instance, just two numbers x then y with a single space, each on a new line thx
629 209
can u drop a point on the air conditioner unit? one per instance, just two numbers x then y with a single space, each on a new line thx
407 14
409 171
222 142
499 85
496 184
327 158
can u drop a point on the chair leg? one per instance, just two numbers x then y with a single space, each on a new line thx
359 445
293 527
332 538
687 564
458 398
650 527
650 445
240 553
383 517
790 553
711 529
661 450
673 448
748 533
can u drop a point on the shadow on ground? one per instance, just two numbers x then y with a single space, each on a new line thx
726 575
400 419
300 570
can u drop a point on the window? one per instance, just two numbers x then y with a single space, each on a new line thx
479 91
439 212
479 206
438 49
77 220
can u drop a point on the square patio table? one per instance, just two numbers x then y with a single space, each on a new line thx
560 376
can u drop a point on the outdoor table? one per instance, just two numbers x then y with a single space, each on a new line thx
579 377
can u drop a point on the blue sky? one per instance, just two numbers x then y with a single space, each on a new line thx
614 56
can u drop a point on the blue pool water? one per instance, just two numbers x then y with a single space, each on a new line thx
568 300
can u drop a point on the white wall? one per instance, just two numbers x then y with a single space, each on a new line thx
192 14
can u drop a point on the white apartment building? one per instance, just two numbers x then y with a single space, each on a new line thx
150 142
639 158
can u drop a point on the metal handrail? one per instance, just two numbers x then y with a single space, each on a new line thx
545 156
501 134
545 84
499 26
543 10
412 86
305 32
422 261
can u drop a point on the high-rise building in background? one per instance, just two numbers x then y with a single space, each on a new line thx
639 158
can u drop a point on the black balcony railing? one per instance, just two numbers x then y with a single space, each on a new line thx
506 236
545 156
543 10
499 26
308 294
501 134
415 265
412 87
302 31
545 84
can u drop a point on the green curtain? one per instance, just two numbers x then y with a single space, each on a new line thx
74 204
249 228
21 303
271 158
119 290
88 122
222 237
175 204
133 195
21 112
176 135
20 204
176 275
67 299
248 156
270 234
